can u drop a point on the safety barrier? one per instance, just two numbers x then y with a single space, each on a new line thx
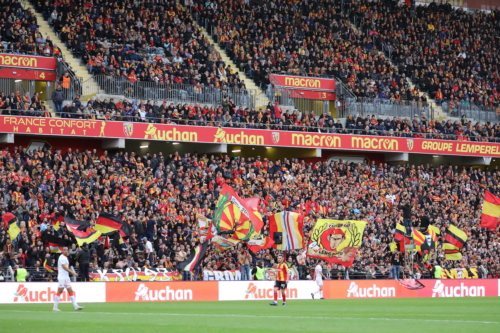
100 292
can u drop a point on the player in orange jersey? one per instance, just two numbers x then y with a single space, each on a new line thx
282 278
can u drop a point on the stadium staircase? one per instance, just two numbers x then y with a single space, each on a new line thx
261 99
90 87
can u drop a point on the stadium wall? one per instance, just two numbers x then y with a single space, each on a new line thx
100 292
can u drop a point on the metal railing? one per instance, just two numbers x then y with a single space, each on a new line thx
386 107
177 93
479 113
244 122
8 50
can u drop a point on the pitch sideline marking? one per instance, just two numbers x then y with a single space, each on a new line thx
251 316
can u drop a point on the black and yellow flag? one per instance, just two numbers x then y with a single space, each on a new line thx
455 239
47 267
108 224
86 236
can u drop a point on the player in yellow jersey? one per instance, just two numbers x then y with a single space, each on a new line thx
282 278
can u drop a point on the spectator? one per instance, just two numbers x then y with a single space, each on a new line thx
83 259
58 99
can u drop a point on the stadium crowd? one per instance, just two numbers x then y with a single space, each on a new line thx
160 194
149 42
19 32
449 54
229 115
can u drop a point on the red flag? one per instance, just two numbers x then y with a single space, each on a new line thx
255 248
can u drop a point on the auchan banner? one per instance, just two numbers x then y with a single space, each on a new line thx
263 290
241 136
305 82
392 289
45 292
22 61
161 291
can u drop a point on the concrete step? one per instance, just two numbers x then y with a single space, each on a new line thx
76 64
261 97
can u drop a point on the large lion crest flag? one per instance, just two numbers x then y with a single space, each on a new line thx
336 241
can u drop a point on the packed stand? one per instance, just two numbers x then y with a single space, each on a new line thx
229 115
18 104
19 32
272 119
451 54
160 194
303 38
132 42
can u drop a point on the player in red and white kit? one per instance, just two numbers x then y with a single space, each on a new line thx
64 281
318 276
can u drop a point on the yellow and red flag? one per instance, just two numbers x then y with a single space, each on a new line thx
207 228
336 241
11 223
491 211
291 226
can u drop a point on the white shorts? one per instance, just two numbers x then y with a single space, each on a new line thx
319 282
64 283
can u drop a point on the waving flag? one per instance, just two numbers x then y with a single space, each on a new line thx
54 247
336 241
207 228
259 242
491 211
108 224
455 239
222 244
194 259
291 225
47 267
56 219
11 224
418 237
76 224
400 237
86 236
431 239
233 214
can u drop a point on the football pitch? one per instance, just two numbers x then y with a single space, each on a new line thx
354 315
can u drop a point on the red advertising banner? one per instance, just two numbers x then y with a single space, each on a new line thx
162 291
305 82
310 94
22 61
27 74
393 289
241 136
21 67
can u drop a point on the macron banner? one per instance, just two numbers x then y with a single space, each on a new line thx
22 61
305 82
241 136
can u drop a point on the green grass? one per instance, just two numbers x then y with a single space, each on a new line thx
427 315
